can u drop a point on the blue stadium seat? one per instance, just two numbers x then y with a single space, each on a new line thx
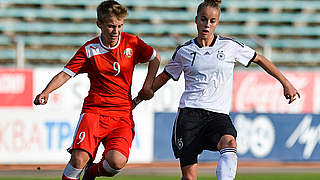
7 54
165 41
295 57
91 14
47 13
4 40
159 28
270 17
271 4
55 40
285 30
52 2
253 4
160 15
63 55
48 27
148 3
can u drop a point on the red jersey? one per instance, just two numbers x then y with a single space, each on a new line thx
110 72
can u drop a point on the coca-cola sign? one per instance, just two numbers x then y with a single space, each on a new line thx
256 91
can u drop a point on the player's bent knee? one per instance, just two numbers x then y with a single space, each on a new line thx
111 171
119 164
231 143
79 159
116 160
227 141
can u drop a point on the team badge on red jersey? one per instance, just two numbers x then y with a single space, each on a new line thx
128 52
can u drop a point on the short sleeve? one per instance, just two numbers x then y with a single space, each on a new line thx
78 64
144 52
244 54
174 67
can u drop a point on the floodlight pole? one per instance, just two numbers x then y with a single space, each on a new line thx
20 53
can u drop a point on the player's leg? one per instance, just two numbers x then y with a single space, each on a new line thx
117 149
189 172
78 161
220 136
113 163
186 145
189 163
227 164
110 165
84 146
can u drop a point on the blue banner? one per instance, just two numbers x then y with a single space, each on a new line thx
276 137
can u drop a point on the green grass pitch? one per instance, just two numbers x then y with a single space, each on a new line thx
278 176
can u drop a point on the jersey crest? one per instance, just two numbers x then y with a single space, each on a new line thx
128 52
221 56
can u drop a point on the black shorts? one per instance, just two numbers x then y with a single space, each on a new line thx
196 130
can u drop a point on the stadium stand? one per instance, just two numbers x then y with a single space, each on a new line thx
287 31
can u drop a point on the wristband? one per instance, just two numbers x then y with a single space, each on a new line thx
137 100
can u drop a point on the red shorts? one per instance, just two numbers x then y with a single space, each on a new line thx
116 133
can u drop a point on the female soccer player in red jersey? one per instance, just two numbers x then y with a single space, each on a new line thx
106 116
203 121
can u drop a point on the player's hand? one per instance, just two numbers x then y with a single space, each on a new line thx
41 99
146 93
290 93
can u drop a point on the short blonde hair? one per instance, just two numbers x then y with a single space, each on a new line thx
111 8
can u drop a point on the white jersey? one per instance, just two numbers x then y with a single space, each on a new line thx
208 72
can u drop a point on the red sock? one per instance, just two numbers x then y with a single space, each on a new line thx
102 171
92 171
96 170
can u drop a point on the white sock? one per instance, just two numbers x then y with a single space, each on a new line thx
109 169
227 164
71 172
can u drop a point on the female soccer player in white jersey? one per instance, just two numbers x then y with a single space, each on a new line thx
106 117
203 121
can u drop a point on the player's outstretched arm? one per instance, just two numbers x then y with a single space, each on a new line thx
289 90
160 80
56 82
